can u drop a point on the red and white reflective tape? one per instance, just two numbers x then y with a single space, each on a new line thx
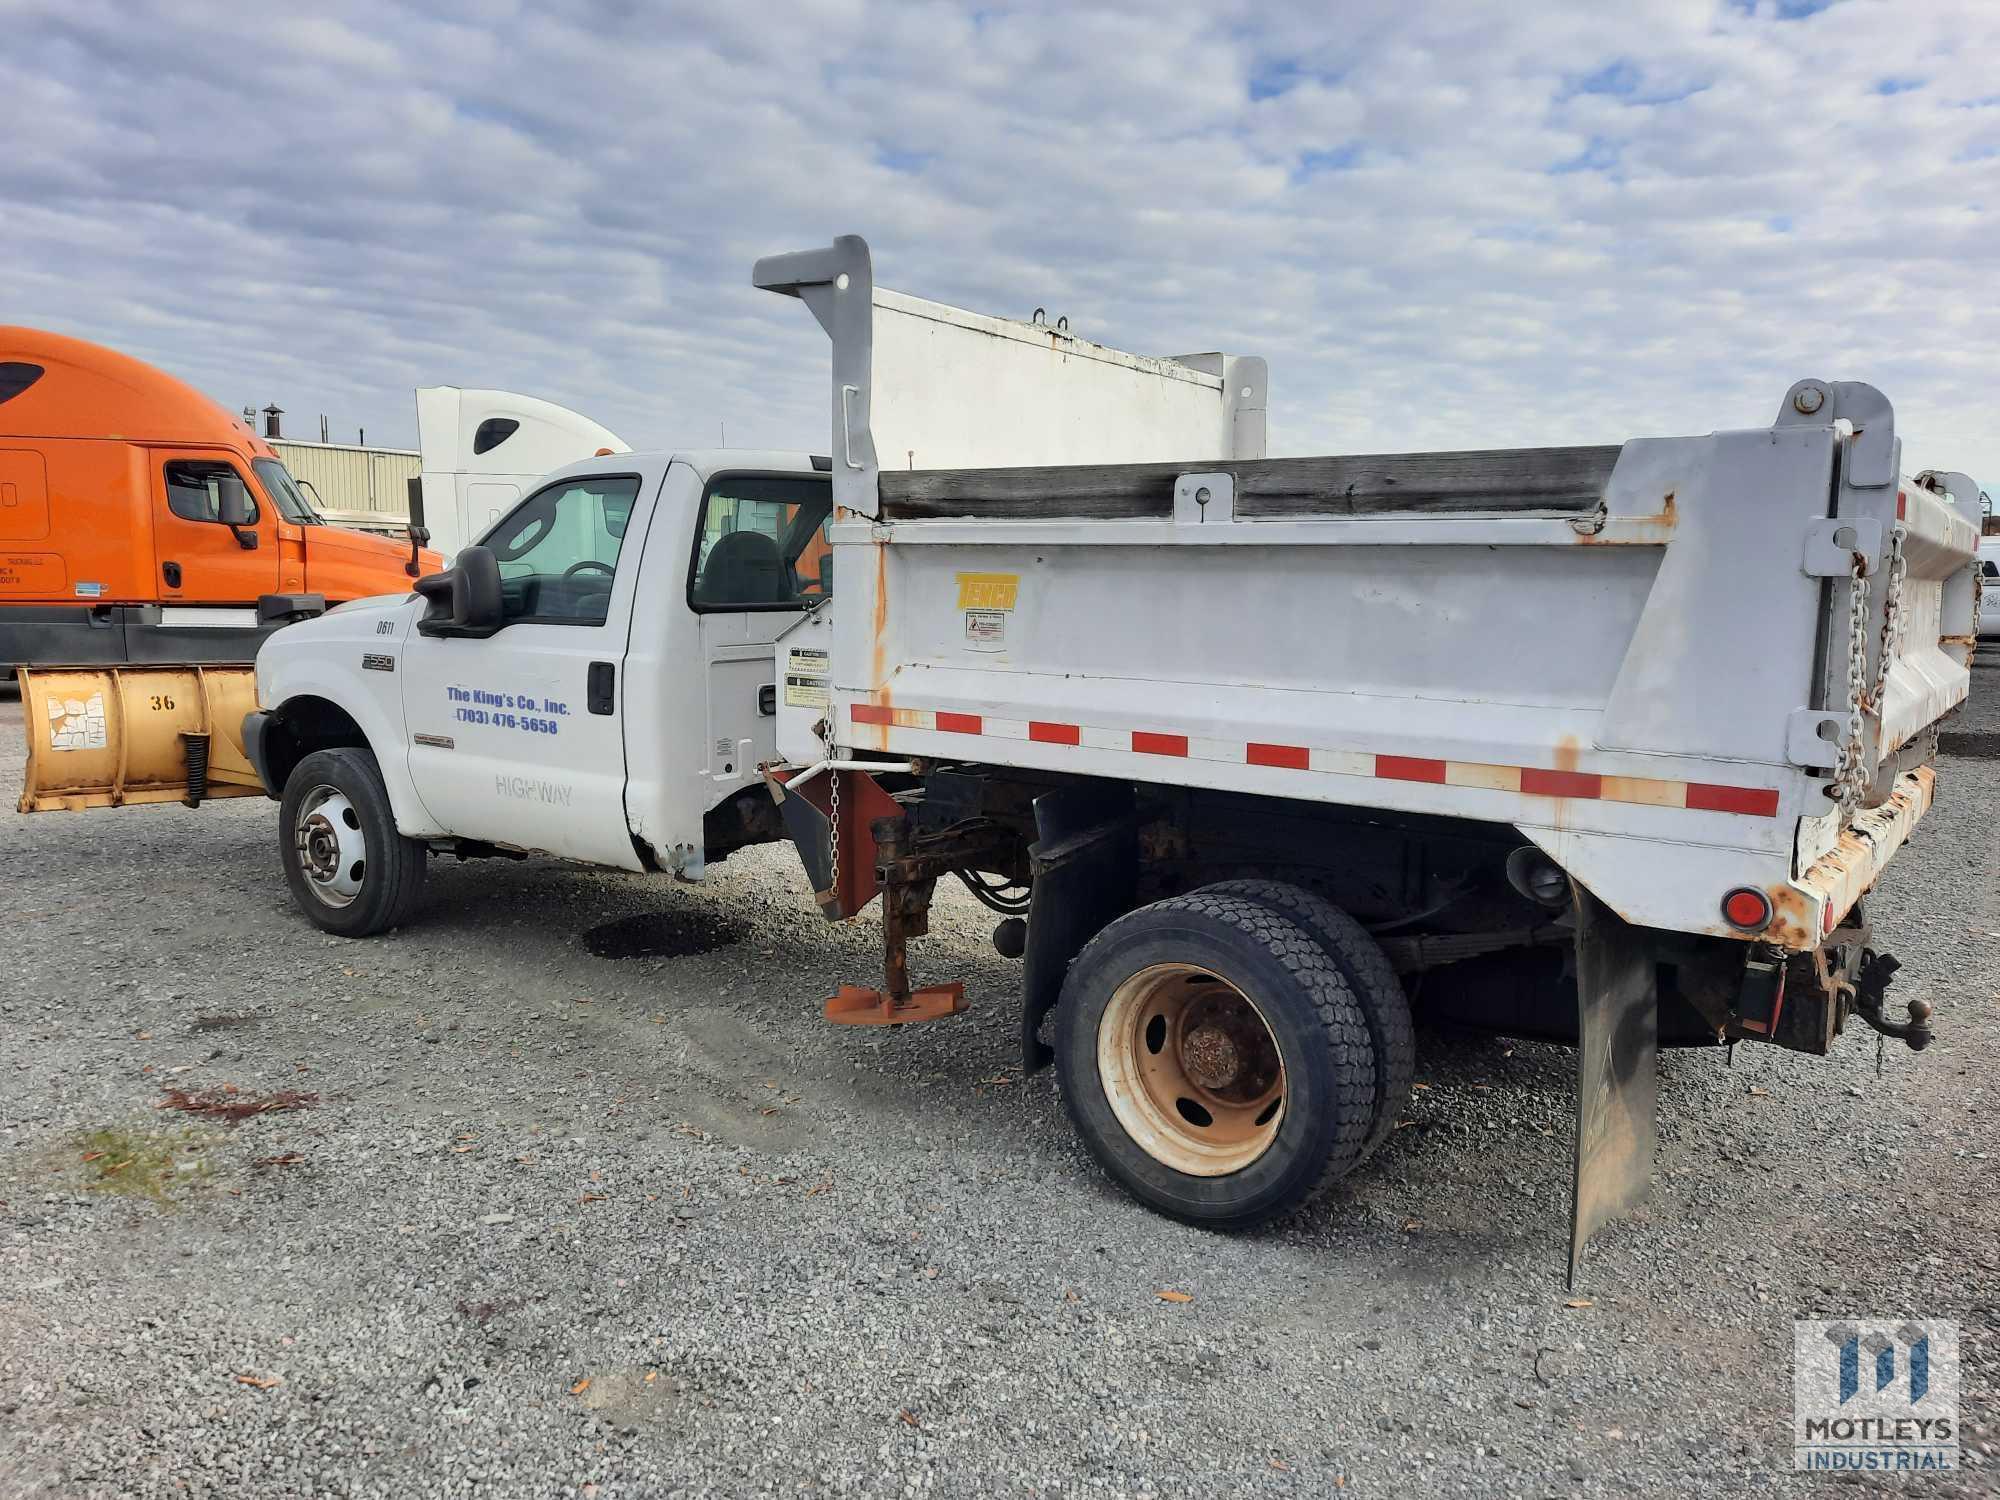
1699 796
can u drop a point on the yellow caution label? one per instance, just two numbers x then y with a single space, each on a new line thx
988 590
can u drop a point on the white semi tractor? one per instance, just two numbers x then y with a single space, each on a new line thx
484 449
1605 744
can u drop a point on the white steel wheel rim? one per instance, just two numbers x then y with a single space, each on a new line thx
1191 1070
331 849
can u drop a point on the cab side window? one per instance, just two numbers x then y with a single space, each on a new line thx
195 487
762 544
558 550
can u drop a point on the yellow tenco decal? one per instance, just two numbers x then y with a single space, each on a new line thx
988 590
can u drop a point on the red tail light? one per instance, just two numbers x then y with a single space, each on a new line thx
1748 908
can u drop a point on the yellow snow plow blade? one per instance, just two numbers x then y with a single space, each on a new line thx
113 736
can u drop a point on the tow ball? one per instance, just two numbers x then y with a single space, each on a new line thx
1871 985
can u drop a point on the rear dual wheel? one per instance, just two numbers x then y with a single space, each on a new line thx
1216 1059
1369 974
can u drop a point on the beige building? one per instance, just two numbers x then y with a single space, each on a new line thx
351 484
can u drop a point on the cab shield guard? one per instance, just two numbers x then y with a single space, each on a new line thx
1617 1078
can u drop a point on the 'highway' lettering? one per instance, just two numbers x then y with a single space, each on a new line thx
529 789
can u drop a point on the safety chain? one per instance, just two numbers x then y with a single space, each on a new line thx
1892 613
833 831
1847 777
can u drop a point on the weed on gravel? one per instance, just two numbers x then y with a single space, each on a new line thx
142 1162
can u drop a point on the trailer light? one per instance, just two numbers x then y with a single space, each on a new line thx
1748 908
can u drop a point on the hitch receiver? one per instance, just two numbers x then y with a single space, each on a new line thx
1871 988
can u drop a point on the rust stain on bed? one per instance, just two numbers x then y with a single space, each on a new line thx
878 661
1635 531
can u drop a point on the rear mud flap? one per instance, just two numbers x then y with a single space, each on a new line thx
1617 1075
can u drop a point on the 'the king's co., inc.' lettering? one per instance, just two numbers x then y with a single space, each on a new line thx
523 711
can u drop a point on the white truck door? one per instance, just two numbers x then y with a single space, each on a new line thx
518 738
761 556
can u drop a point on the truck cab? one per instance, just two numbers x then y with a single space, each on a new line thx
484 449
592 679
141 522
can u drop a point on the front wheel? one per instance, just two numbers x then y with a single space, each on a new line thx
1214 1059
348 868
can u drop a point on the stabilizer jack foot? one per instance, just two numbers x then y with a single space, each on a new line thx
856 1005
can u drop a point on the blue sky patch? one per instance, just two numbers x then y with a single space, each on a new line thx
1318 163
1601 155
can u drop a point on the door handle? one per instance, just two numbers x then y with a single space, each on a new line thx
767 699
600 686
171 571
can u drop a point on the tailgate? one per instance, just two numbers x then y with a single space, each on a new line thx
1899 637
1896 640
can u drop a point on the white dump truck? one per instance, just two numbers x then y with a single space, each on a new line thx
1601 744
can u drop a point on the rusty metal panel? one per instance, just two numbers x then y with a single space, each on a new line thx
1846 872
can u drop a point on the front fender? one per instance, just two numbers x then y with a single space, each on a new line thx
324 659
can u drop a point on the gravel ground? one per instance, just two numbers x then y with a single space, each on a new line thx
562 1224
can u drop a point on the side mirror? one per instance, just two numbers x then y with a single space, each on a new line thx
419 538
475 591
234 509
232 502
465 598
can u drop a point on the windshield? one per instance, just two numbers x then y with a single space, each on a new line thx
285 493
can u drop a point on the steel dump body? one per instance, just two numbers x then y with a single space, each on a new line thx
1637 655
1610 740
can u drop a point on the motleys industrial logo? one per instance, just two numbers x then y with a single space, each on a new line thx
1874 1395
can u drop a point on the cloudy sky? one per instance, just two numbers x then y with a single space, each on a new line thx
1444 224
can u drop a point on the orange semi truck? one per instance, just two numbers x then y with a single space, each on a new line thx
142 522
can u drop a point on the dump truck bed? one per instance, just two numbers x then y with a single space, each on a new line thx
1680 665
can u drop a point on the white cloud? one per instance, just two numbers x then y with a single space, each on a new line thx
566 199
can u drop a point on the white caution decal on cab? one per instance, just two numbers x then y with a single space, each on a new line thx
805 678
